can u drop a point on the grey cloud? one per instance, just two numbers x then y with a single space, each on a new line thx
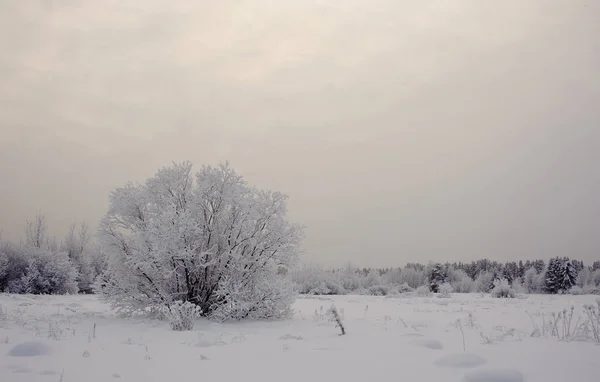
403 131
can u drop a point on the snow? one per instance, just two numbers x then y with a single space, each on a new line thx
461 360
76 338
30 349
495 375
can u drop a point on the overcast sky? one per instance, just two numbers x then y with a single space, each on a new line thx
401 130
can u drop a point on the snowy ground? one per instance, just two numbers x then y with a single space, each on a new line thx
408 339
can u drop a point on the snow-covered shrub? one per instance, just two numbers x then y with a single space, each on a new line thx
502 289
529 280
3 264
412 277
460 281
584 277
85 255
379 290
372 279
576 290
47 272
404 288
392 277
15 261
596 278
586 290
261 299
315 281
483 282
211 239
517 286
350 283
181 315
423 291
445 290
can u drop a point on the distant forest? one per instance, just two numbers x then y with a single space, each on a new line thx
557 276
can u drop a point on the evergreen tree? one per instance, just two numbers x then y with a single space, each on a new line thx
551 282
436 277
561 275
539 265
521 269
567 276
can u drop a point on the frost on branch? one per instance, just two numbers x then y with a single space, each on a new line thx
209 239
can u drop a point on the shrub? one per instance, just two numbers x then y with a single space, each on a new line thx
405 288
445 290
47 272
379 290
335 317
412 277
211 239
464 286
483 282
181 315
586 290
423 291
502 289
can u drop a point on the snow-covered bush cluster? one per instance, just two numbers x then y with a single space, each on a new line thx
561 275
209 239
41 266
502 289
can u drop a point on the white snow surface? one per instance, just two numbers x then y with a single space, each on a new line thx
406 338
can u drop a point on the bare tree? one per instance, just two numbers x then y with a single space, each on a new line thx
36 231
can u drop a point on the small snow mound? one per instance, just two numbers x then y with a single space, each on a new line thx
495 375
430 344
48 372
291 337
461 360
30 349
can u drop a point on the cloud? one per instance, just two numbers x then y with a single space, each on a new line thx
403 131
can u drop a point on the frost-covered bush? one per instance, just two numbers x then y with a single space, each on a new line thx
210 239
315 281
586 290
502 289
181 315
483 282
372 279
85 255
576 290
379 290
412 277
423 291
517 286
46 272
404 288
460 281
445 290
261 299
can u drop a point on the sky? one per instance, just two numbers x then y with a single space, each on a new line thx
403 131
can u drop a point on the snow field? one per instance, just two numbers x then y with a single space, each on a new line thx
77 338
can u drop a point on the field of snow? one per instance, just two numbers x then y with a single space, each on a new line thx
76 338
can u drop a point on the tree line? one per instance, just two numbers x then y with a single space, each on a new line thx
557 276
